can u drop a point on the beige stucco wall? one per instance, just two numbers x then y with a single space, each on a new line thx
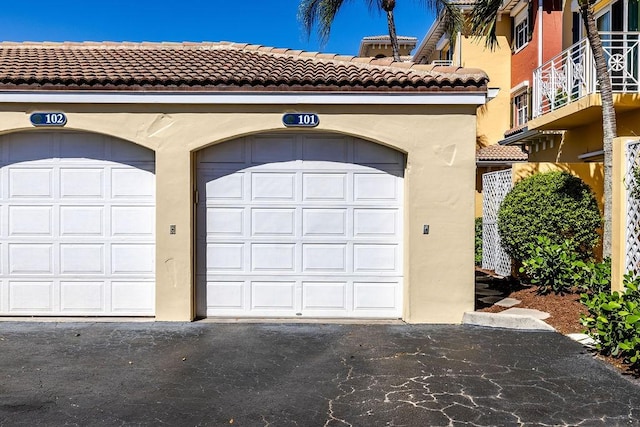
439 185
493 117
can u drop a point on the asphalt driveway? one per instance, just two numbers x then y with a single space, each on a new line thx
303 375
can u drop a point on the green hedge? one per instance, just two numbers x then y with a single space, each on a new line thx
556 205
478 257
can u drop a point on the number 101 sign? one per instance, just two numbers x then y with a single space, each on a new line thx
48 119
307 120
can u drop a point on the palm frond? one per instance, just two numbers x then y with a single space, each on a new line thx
319 14
448 13
484 18
452 19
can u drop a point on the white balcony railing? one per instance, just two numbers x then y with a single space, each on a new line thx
571 74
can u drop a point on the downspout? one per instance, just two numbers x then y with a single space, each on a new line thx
540 33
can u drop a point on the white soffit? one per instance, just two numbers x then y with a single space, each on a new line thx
394 98
518 8
442 43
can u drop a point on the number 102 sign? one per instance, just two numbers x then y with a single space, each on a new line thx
48 119
307 120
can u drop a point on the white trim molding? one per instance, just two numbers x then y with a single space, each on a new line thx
393 98
520 87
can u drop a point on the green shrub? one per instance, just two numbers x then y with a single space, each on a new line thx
478 257
635 184
556 205
551 266
595 277
614 321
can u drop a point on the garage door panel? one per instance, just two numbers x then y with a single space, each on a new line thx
31 296
324 187
225 221
273 295
225 257
226 295
375 187
328 258
325 296
265 149
30 258
30 220
375 296
81 183
80 147
327 149
324 222
125 152
22 147
132 297
132 183
132 258
224 154
81 221
375 222
375 258
82 297
272 186
30 183
273 257
374 154
224 185
132 221
299 227
82 259
273 222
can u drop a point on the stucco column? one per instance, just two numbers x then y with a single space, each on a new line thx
440 186
618 214
174 252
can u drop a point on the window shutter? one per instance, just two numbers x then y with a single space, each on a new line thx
530 18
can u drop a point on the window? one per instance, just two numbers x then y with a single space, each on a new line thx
520 109
521 30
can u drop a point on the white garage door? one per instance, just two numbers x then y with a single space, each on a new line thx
300 225
76 225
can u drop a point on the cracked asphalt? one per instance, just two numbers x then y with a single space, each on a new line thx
207 374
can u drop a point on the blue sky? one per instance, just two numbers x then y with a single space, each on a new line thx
269 23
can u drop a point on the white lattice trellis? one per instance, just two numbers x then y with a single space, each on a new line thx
632 247
495 186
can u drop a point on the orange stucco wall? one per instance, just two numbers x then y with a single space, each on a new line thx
525 61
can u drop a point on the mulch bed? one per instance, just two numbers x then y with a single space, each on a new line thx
565 311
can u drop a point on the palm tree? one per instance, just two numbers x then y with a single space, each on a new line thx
322 13
483 23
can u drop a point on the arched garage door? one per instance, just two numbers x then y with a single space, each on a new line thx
300 225
76 225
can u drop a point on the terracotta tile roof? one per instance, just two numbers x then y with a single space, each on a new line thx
498 153
515 130
214 67
386 38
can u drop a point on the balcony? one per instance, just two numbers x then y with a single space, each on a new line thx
571 76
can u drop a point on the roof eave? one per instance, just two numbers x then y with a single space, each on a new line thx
467 97
498 162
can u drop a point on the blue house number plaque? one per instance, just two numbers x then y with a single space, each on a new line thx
48 119
307 120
